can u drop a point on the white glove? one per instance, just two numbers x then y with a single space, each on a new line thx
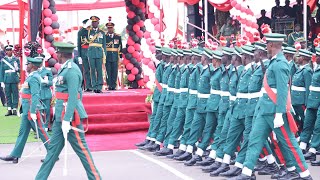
16 66
305 112
278 120
80 60
33 117
65 127
2 85
44 81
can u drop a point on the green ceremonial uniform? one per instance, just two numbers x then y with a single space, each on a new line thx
45 93
114 49
156 96
292 37
96 54
200 114
277 76
68 93
9 75
293 68
30 104
83 45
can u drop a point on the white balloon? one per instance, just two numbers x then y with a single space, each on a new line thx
155 35
153 8
149 27
147 53
143 41
150 84
150 3
157 14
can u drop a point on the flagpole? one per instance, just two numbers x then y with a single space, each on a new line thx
205 14
305 16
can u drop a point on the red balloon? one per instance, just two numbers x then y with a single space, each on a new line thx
125 61
238 6
136 54
146 61
140 23
54 55
147 34
150 15
233 3
141 82
129 66
243 9
139 58
151 65
136 47
57 66
45 4
157 27
54 17
51 50
135 2
47 30
47 21
131 49
141 5
131 14
150 41
238 18
152 49
127 9
146 79
47 13
157 3
130 42
143 10
139 34
134 71
155 21
136 28
255 26
56 31
131 77
47 44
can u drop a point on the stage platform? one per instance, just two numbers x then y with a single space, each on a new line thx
117 119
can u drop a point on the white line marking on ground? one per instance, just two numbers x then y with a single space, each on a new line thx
163 165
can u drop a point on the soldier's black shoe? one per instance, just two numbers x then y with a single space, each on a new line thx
223 168
269 169
14 112
9 113
206 162
151 143
206 153
42 160
10 158
243 177
142 143
235 171
290 175
233 160
193 160
310 156
318 153
260 165
164 152
315 163
98 91
88 90
177 154
153 148
184 157
212 167
281 173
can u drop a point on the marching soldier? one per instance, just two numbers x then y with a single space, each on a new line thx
31 106
289 53
114 52
96 53
274 114
68 116
83 45
9 79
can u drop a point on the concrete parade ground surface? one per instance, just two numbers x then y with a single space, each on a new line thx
113 165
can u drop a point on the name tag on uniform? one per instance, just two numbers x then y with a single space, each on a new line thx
116 41
60 80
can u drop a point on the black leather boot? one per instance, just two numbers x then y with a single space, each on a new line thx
10 158
193 160
223 168
142 143
212 167
9 113
270 169
282 172
177 154
290 175
164 152
207 162
235 171
184 157
310 156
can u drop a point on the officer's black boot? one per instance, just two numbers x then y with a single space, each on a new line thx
212 167
223 168
290 175
310 156
177 154
315 163
10 158
184 157
163 152
207 162
270 169
142 143
281 173
235 171
14 112
193 160
260 165
9 113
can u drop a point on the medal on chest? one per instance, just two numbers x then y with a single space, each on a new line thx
60 80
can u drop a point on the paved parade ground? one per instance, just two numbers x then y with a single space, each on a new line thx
113 165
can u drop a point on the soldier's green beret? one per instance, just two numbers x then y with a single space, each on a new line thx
248 50
304 52
317 51
166 51
261 46
289 50
227 51
8 47
35 61
217 54
196 52
275 37
64 47
238 51
207 52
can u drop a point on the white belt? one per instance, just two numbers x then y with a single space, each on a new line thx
296 88
9 71
243 95
255 95
164 86
313 88
225 93
170 89
203 95
233 98
263 91
177 91
216 92
183 90
193 91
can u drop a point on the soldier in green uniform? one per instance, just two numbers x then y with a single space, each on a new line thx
156 96
31 106
301 81
182 103
9 79
292 37
114 52
45 93
69 113
312 120
96 53
191 106
272 115
83 45
233 81
289 53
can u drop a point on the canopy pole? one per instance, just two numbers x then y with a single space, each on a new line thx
205 20
13 30
305 18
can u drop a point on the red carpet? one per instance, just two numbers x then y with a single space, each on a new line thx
117 119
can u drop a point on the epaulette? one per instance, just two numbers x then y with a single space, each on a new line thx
69 65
